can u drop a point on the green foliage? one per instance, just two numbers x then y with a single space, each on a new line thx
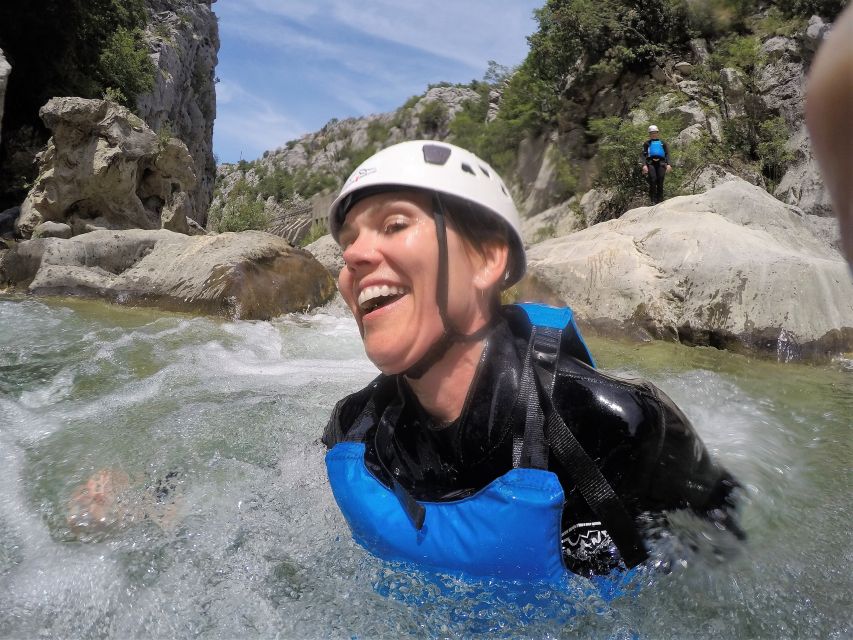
619 152
610 35
114 95
772 149
411 102
163 136
565 175
544 233
318 230
432 117
740 52
83 48
805 8
241 211
711 18
377 132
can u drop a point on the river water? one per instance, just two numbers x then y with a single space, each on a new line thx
249 542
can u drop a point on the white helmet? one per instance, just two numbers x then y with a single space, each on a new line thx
442 168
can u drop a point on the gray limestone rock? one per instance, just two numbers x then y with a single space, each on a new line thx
251 275
593 204
816 31
52 230
732 267
559 220
328 253
183 37
105 167
699 47
683 68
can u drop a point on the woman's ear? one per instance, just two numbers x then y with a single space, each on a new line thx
494 257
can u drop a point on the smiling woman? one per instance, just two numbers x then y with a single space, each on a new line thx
490 445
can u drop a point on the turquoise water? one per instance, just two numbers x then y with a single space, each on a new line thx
251 544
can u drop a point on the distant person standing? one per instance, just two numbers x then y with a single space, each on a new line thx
655 164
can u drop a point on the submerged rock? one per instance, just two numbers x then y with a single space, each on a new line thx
732 267
250 275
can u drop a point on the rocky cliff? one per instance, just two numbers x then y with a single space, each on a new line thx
60 52
729 103
294 183
183 37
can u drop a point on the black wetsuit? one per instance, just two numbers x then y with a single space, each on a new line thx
642 443
657 171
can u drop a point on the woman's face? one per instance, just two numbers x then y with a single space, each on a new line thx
389 281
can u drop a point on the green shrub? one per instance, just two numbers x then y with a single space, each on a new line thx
619 151
318 230
112 94
806 8
611 35
377 133
711 18
740 52
432 117
125 65
772 150
565 177
545 233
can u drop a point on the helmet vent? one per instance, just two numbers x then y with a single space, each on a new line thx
485 171
467 168
435 154
503 188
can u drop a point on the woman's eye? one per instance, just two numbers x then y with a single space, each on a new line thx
395 225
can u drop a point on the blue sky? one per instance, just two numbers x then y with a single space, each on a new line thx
286 67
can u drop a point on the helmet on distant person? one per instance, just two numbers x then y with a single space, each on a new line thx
653 128
442 169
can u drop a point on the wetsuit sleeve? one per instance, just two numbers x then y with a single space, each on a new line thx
684 475
666 153
645 158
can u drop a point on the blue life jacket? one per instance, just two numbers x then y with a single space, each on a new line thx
509 530
656 149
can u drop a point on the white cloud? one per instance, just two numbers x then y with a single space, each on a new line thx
250 124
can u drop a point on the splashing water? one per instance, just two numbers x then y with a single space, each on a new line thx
251 543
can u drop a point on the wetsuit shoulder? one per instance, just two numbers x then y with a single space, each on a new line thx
352 410
644 444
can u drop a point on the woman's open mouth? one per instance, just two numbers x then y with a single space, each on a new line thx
373 298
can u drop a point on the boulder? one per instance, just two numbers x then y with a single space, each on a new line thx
816 31
5 70
104 163
559 220
683 68
699 47
594 205
7 221
52 230
802 185
328 253
710 177
732 267
250 275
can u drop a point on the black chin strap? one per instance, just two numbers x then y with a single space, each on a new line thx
449 335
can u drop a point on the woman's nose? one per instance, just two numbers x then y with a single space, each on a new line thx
361 251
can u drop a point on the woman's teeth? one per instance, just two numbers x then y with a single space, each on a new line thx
373 297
